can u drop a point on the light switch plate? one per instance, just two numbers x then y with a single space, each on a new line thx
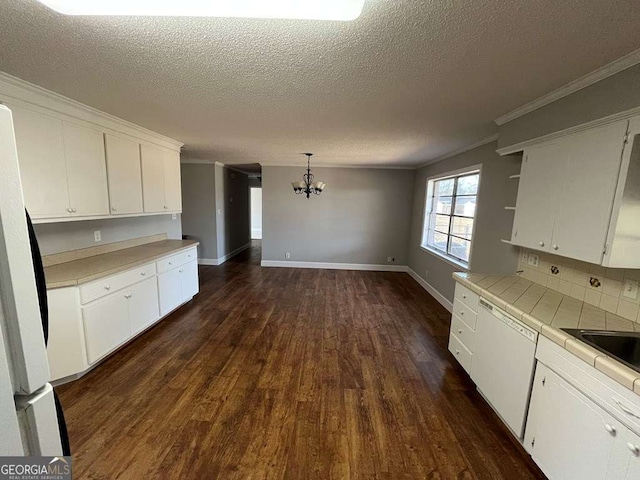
533 260
630 288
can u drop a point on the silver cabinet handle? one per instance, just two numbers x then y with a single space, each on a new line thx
633 448
610 428
626 409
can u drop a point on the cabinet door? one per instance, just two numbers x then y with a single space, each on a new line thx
43 171
170 290
123 171
172 183
152 159
625 461
143 304
106 325
587 189
574 438
189 279
537 195
86 170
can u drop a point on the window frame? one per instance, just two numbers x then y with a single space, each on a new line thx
427 211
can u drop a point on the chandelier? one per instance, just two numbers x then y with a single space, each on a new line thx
308 186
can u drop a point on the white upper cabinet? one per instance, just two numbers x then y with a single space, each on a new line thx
161 184
537 195
41 155
567 191
152 158
125 179
86 170
172 182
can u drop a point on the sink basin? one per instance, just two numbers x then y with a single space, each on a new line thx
623 346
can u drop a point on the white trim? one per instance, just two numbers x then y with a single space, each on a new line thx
335 266
300 165
23 93
518 147
596 76
442 256
221 260
37 221
442 300
462 150
208 261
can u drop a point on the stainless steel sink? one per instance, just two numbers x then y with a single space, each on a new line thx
623 346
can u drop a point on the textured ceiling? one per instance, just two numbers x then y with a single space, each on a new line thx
408 81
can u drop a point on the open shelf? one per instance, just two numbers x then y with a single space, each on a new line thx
514 176
509 208
508 242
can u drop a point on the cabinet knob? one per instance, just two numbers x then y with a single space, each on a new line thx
73 210
143 273
610 428
464 295
542 244
181 270
460 331
165 207
461 313
113 209
457 352
107 287
555 247
170 263
69 210
633 448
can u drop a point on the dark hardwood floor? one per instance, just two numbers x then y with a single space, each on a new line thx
293 374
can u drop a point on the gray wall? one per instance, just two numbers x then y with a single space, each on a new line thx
62 237
361 217
233 224
615 94
493 222
199 207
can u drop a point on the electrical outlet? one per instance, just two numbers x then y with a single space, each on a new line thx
533 260
287 255
391 259
174 216
426 272
97 236
219 211
630 288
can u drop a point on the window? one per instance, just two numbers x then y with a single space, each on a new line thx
450 214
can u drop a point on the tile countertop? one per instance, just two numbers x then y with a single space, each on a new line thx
92 268
547 311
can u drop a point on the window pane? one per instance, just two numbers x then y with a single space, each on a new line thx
462 227
460 248
444 187
465 206
468 185
443 205
437 240
440 223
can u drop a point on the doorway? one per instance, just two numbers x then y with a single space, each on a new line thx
256 213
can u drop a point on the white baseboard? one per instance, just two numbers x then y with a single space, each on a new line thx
221 260
335 266
431 290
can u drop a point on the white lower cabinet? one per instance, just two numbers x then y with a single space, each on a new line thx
170 288
92 320
143 305
572 438
177 286
106 325
569 435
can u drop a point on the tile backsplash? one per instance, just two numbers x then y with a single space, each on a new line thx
598 286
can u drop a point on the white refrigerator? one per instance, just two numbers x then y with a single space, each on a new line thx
31 424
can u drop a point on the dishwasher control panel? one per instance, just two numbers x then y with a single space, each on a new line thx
510 321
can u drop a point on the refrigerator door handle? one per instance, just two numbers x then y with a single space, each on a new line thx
38 422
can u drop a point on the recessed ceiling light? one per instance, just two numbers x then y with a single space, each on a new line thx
290 9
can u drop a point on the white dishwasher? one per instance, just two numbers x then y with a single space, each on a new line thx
503 364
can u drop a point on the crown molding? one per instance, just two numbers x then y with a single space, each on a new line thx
336 165
26 94
601 73
480 143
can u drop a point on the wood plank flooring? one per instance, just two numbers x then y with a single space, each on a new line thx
295 374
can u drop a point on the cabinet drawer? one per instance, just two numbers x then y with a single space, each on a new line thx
176 260
467 296
105 286
463 356
462 311
462 332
